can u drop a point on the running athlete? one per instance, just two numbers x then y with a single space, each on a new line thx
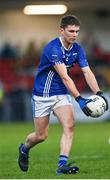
52 89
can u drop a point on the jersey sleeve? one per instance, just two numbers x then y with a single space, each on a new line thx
81 58
55 56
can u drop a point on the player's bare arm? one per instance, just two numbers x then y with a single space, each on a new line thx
62 71
90 79
92 82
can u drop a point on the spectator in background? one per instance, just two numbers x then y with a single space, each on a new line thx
8 51
1 99
30 58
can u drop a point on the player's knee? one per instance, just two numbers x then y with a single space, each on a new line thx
69 129
43 136
70 126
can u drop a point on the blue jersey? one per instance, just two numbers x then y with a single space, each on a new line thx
48 82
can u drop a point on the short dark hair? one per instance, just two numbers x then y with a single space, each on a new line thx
69 20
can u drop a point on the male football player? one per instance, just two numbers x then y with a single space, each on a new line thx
52 89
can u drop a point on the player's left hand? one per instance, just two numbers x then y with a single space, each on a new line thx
100 93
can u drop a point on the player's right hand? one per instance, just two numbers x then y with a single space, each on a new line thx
101 94
83 105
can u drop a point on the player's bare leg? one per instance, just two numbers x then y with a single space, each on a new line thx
65 116
40 134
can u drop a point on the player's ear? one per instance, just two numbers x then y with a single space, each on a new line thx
61 31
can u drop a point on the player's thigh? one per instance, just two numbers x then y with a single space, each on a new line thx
65 115
41 124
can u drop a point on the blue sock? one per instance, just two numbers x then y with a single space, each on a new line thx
62 160
24 149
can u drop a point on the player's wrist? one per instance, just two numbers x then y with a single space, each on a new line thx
78 98
99 93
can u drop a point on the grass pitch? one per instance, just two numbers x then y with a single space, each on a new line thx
90 151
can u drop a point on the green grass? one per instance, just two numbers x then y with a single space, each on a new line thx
90 151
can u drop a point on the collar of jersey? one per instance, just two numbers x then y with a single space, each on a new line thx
64 46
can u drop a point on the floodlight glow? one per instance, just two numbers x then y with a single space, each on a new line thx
44 9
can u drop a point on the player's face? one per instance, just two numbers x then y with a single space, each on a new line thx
70 33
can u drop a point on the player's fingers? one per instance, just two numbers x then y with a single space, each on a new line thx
87 111
105 102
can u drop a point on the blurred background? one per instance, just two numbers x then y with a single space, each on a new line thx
22 38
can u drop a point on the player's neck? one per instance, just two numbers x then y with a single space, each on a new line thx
65 44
